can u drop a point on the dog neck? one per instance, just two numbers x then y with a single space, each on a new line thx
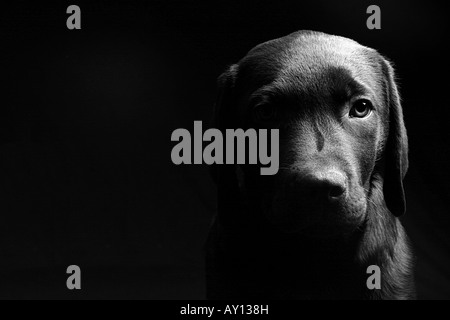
262 259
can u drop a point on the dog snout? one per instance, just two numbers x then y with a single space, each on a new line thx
326 184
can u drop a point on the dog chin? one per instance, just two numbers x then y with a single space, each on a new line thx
325 230
320 223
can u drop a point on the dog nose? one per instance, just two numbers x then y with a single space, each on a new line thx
331 184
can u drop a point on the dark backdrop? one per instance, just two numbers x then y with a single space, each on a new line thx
86 117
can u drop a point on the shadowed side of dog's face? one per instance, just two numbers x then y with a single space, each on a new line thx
331 99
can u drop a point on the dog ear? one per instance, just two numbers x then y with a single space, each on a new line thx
223 112
225 117
396 159
225 100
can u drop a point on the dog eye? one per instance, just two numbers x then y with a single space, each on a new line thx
361 109
265 113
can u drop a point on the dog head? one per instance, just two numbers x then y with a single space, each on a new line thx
337 108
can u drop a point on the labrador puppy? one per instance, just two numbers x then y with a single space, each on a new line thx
312 230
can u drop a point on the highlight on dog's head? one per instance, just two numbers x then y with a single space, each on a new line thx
338 110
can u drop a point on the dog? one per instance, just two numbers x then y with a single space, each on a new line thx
312 230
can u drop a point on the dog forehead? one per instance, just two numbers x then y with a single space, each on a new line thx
305 61
311 57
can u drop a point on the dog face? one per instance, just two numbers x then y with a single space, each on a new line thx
341 130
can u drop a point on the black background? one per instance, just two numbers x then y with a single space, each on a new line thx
86 117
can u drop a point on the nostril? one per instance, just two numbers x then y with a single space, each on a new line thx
336 191
327 184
